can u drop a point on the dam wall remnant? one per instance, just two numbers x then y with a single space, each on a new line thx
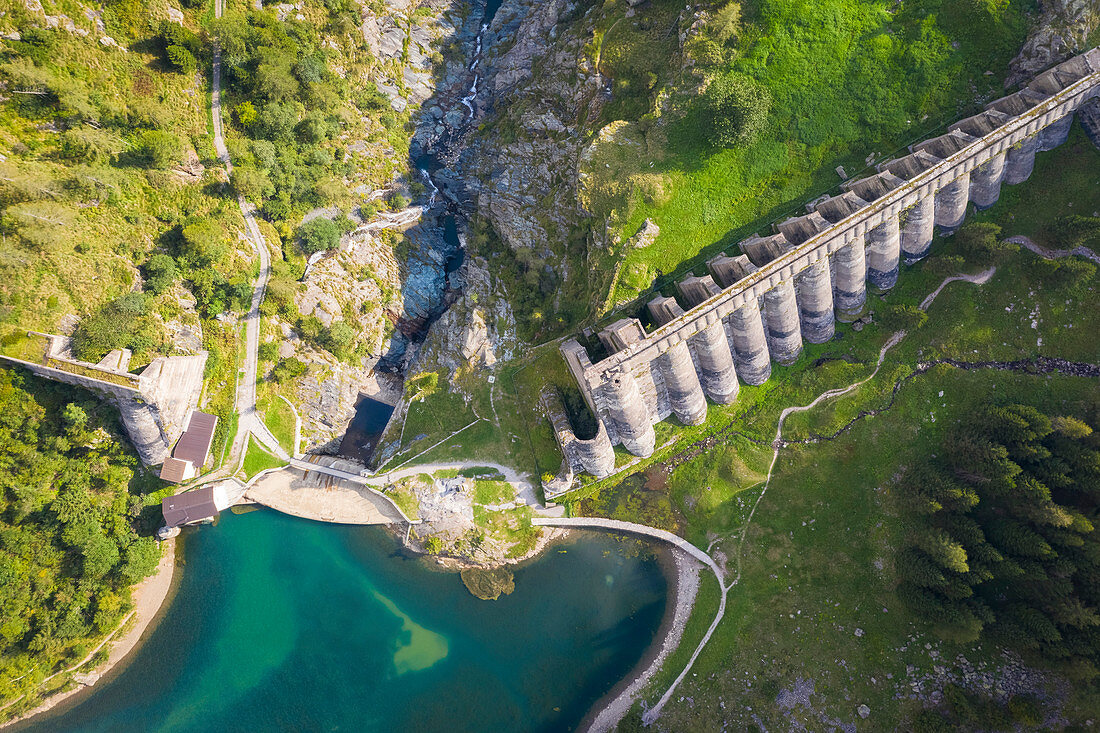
153 405
759 305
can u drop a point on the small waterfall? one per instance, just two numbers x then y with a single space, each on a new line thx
435 190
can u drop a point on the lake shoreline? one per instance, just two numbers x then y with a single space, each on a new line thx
682 573
152 597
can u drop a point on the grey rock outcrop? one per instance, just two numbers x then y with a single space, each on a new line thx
1061 32
525 181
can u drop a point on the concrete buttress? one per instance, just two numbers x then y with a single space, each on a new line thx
750 344
629 412
850 281
784 331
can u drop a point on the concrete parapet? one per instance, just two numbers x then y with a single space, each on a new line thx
798 229
663 310
981 124
909 166
815 302
621 334
750 345
917 225
629 412
872 188
1016 104
838 208
783 329
884 254
850 281
762 250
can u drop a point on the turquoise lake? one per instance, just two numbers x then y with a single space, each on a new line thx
284 624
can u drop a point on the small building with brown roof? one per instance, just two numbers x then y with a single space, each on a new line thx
189 507
189 455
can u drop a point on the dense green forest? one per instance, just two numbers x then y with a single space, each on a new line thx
72 534
1001 539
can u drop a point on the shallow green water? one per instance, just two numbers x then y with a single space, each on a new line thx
283 624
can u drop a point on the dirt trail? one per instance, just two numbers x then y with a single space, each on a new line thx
651 714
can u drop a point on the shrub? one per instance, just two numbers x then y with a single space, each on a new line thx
901 317
124 323
735 109
338 338
288 369
88 145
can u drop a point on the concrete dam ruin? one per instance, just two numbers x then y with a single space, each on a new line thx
153 405
759 305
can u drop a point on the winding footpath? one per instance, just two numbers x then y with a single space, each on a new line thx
651 714
250 422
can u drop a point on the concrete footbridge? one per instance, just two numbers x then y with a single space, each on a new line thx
617 525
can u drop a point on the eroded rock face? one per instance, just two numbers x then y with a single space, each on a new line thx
409 47
327 396
1061 32
525 182
477 331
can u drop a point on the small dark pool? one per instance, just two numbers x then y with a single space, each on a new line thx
365 429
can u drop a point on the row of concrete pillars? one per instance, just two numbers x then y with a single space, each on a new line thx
805 308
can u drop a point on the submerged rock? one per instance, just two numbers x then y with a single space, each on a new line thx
489 585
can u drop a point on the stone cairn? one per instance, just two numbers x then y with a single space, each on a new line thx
761 304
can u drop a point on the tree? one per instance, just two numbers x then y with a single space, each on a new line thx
1073 231
139 560
160 149
735 109
182 59
317 235
246 113
251 183
276 121
160 272
75 420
